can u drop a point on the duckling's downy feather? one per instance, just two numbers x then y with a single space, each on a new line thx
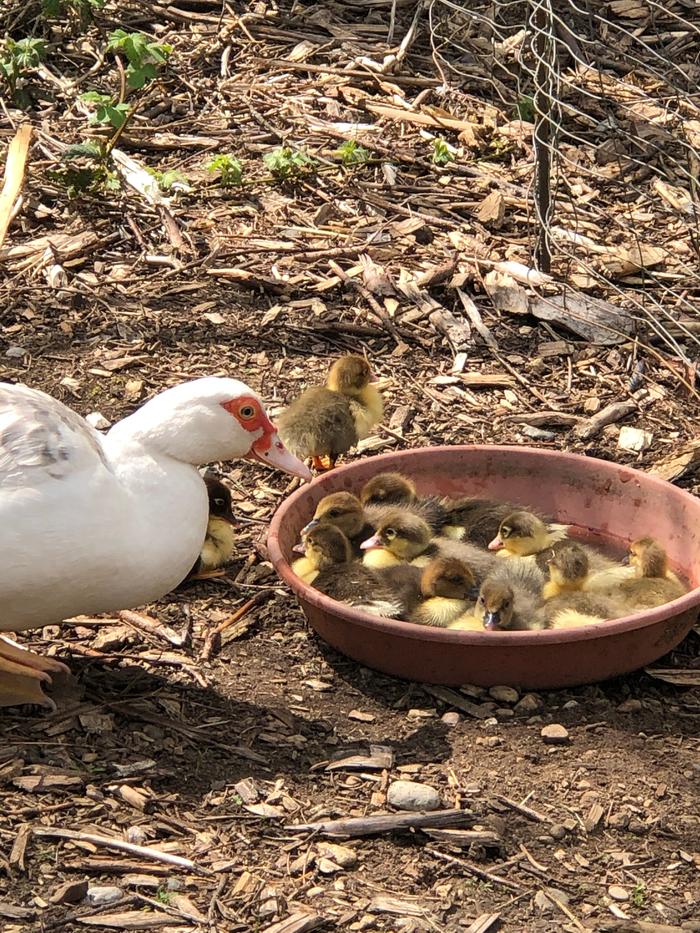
318 424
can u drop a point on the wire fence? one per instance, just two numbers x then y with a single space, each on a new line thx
611 91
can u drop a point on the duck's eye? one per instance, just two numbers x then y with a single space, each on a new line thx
219 503
390 533
246 412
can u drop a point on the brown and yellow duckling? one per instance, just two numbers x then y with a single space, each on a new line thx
448 588
398 491
220 538
328 566
570 593
653 583
408 538
326 421
510 599
525 534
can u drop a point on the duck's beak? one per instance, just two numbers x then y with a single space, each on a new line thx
314 523
496 544
374 542
270 450
492 619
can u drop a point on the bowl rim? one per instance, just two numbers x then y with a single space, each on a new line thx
413 631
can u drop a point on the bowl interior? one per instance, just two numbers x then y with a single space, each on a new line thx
604 501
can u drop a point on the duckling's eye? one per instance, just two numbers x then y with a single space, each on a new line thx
390 533
454 579
219 503
333 513
482 601
246 412
505 532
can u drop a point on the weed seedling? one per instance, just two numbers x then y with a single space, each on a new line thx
285 162
16 61
229 169
442 152
352 153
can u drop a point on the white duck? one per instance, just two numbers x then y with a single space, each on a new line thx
92 523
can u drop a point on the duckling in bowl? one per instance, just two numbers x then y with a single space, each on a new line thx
326 421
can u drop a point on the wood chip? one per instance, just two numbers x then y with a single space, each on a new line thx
13 180
298 922
128 920
385 823
616 411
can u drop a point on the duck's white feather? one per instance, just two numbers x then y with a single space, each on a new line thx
92 523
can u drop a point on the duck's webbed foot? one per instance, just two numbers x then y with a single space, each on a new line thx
323 464
22 674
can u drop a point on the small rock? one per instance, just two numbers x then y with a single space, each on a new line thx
617 912
112 637
451 719
503 694
570 704
504 712
136 835
630 706
410 795
619 820
488 723
97 420
327 867
530 703
99 895
634 439
618 893
173 884
15 353
638 827
545 904
70 892
361 716
557 831
555 734
489 741
591 405
472 690
343 856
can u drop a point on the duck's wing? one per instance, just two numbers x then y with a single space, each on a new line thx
41 439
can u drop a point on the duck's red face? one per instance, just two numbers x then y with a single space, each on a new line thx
267 446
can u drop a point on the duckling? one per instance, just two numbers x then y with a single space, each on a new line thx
219 541
397 490
566 603
389 594
476 518
447 587
510 598
524 534
326 421
408 537
654 583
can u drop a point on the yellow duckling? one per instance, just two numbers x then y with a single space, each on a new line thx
326 421
653 583
408 538
522 534
570 593
220 538
447 587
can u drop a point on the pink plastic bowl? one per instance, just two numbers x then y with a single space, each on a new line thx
612 503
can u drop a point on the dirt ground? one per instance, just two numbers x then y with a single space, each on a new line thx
215 760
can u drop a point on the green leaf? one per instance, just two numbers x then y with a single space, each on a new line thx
88 150
442 154
94 97
116 114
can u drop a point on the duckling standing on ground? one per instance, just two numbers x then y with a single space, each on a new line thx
330 569
326 421
448 588
219 542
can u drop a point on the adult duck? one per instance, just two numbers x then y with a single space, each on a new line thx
94 523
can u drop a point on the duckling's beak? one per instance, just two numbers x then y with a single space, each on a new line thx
374 542
270 450
626 560
314 523
299 548
496 544
492 619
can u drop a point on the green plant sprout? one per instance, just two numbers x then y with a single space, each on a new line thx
229 169
170 180
143 56
285 162
352 153
107 111
17 59
442 152
83 9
